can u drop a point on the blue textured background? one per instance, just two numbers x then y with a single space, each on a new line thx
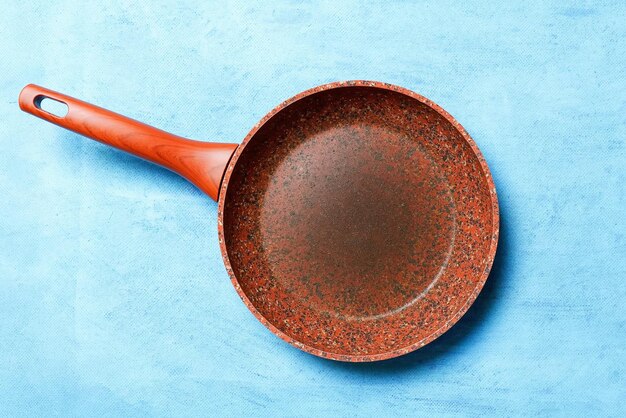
113 296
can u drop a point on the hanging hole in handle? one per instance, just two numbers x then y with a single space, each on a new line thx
52 106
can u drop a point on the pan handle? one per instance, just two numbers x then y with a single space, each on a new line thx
202 163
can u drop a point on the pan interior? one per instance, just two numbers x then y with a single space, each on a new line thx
339 209
339 214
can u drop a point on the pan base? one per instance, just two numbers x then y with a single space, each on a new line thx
356 221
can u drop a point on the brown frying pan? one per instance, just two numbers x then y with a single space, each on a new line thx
358 220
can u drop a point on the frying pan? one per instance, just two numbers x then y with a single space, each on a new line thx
358 221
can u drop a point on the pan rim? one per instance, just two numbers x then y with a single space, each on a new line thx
453 319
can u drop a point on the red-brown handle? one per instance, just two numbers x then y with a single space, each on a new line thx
202 163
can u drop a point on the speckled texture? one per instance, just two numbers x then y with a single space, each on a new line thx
358 221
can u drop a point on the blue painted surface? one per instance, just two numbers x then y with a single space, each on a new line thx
113 296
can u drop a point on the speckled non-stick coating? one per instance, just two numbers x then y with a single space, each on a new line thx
358 221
